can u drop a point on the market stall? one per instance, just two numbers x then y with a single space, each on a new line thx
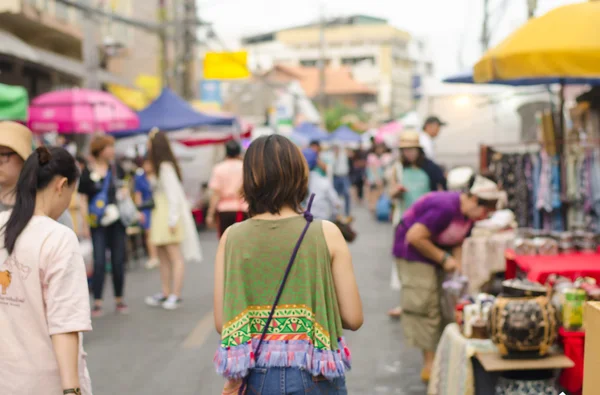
13 103
168 112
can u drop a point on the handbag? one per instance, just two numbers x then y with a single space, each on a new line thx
345 226
97 205
240 386
453 290
147 205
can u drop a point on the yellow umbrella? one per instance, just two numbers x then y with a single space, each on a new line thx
563 43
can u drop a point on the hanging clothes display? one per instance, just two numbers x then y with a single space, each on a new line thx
509 170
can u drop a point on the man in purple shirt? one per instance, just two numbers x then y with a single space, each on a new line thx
428 242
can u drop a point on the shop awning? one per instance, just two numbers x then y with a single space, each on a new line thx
13 103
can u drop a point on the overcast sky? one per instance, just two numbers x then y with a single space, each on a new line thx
452 28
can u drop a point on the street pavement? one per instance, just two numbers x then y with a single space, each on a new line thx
153 351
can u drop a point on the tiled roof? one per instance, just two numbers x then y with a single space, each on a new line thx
338 80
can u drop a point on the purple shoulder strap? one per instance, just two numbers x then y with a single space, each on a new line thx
309 218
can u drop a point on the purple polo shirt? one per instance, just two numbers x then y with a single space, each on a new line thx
440 213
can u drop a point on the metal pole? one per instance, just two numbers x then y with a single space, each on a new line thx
531 7
90 51
322 66
189 39
176 11
485 34
163 55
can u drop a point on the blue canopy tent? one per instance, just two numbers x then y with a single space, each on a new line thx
170 112
467 78
346 135
312 132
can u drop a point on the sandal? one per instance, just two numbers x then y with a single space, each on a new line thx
395 313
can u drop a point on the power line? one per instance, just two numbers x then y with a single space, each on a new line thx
140 24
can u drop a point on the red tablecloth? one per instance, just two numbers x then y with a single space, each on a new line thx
574 344
539 267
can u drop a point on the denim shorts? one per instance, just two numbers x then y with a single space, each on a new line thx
292 381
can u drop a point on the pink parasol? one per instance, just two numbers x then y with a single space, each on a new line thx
80 111
388 130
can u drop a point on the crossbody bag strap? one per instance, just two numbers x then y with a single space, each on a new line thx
309 218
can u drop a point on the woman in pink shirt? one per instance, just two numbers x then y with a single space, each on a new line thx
227 206
44 302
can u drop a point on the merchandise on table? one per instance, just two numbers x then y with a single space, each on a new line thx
507 386
534 242
453 290
472 316
523 322
574 299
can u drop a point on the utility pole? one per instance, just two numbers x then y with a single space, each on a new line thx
485 31
163 54
90 50
531 7
177 35
189 44
322 66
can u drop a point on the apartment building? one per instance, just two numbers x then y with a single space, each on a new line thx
42 44
377 53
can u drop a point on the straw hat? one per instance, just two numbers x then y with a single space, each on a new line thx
16 137
486 189
409 139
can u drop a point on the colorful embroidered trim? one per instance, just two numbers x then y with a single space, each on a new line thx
287 320
294 340
235 362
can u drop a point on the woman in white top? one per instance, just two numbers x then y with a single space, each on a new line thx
44 301
172 229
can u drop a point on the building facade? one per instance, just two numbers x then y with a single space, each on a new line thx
42 45
377 54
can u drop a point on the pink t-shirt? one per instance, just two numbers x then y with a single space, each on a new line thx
43 292
227 180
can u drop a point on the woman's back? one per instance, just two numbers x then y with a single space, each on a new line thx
307 328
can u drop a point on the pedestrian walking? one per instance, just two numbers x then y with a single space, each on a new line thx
431 129
288 341
341 176
227 205
143 180
326 203
16 144
358 172
44 283
100 183
172 230
428 242
375 175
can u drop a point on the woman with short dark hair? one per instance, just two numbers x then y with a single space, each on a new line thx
104 176
303 347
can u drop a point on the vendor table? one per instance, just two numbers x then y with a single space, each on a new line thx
452 372
483 256
573 343
471 366
539 267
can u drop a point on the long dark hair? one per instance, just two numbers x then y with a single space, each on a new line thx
160 151
38 171
420 162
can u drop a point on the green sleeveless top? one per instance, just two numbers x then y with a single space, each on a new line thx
306 330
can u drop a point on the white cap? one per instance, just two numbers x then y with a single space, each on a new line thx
459 177
486 189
